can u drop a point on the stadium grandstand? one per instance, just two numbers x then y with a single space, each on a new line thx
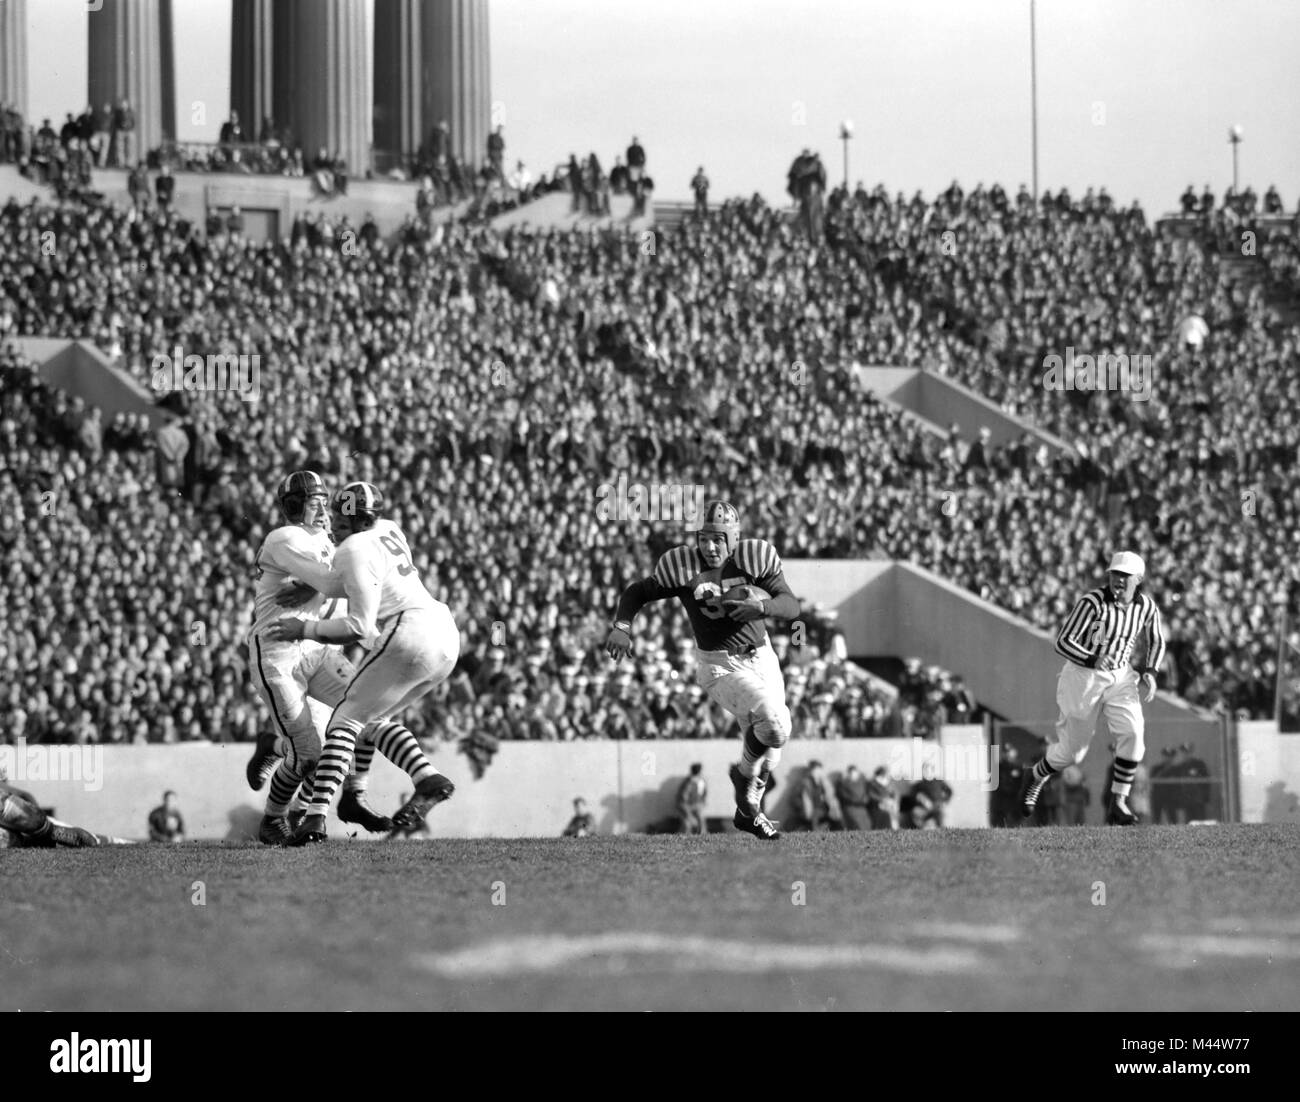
493 379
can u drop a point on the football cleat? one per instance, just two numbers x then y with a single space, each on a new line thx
1030 790
263 762
296 817
73 836
353 808
1119 813
430 791
748 790
310 831
760 826
274 830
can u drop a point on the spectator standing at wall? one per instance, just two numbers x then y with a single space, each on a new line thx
852 789
165 187
925 803
137 186
124 151
882 800
1006 796
700 187
815 807
583 822
691 796
165 822
496 152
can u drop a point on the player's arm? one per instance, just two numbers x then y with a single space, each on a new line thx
631 601
1075 639
759 560
1155 655
303 563
361 581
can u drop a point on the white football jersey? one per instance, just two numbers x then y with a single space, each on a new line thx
379 579
293 552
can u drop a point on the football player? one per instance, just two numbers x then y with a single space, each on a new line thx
737 667
23 823
412 639
290 675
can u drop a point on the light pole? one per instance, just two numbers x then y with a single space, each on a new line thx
1234 137
846 133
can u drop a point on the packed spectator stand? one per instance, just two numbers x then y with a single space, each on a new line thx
490 383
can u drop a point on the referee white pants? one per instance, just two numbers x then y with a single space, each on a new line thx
415 652
1083 694
751 688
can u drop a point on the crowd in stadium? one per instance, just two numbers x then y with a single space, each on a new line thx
492 384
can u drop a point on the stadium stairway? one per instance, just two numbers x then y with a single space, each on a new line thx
937 402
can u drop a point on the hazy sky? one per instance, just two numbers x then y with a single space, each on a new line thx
1136 95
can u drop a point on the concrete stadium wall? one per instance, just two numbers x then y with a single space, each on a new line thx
390 201
1268 774
555 211
527 791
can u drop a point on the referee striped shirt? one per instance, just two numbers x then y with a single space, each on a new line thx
1098 627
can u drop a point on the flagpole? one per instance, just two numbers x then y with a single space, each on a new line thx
1281 659
1033 89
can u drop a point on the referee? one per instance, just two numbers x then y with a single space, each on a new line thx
1097 642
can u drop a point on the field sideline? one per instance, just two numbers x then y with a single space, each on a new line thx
1193 918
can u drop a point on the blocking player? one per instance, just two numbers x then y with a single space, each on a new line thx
412 639
737 667
1097 641
290 675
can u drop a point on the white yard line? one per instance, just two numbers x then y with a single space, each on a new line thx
609 952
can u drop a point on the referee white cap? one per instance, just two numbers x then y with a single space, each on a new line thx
1125 562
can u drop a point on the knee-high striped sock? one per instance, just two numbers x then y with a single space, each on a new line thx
751 754
340 742
1039 776
284 783
402 748
359 779
1122 780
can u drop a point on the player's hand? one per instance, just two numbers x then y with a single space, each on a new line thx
1107 662
749 608
618 644
1147 688
294 594
287 630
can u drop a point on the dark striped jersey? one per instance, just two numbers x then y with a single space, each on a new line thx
1099 627
681 573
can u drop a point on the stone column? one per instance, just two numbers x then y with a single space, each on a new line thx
130 57
325 86
456 82
251 72
400 126
13 55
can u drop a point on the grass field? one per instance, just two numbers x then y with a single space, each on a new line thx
1193 918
